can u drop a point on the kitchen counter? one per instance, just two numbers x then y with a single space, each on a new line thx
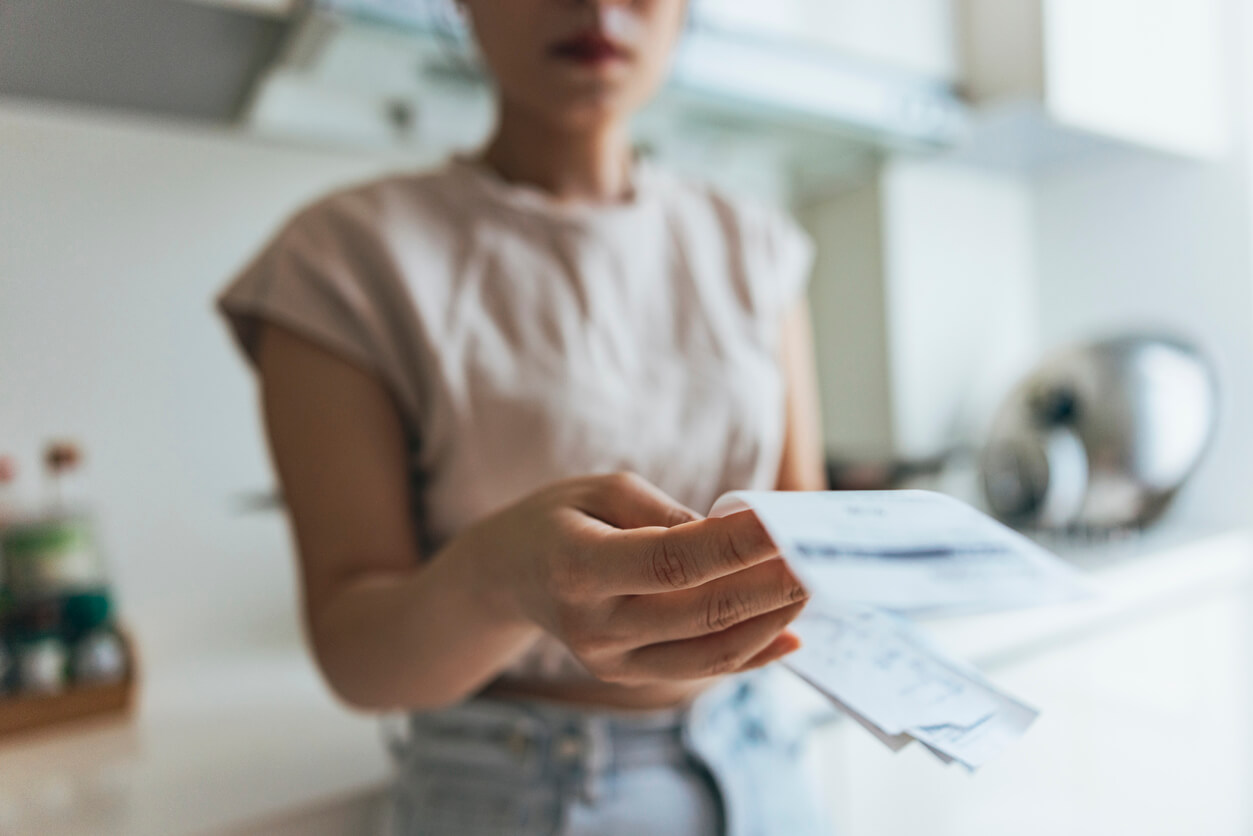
255 744
1133 578
222 745
1144 693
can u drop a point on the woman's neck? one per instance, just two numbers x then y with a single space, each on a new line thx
572 165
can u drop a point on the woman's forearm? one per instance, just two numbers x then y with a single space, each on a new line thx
417 640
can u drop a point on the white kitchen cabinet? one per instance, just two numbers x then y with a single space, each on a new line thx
1145 730
920 269
1148 72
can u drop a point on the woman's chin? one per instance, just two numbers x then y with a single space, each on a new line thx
577 99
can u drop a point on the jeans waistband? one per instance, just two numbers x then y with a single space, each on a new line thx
739 734
537 733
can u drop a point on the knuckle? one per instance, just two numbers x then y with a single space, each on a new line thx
734 552
616 676
621 482
590 642
724 610
592 634
723 663
667 566
627 478
614 672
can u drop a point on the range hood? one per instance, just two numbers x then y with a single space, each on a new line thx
192 60
400 73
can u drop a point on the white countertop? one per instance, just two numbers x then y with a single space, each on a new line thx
223 743
215 745
1134 579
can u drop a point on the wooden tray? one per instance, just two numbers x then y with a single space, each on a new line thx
22 714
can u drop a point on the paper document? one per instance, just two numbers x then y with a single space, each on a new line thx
868 658
912 552
868 558
884 670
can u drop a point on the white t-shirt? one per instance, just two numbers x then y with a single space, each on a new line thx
527 341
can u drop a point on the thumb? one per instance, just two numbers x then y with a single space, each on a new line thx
627 500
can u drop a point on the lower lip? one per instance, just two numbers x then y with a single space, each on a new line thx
589 58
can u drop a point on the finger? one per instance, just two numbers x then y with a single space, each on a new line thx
711 608
626 500
652 560
783 645
712 655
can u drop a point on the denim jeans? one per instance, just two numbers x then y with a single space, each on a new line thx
730 764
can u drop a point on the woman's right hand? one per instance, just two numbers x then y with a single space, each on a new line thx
638 587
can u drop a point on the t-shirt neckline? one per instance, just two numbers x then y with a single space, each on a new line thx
525 197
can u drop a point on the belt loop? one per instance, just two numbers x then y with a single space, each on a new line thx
396 732
598 757
582 752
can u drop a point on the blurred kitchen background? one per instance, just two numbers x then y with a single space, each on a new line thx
987 181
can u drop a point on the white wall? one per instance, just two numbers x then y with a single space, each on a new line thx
114 237
962 309
1154 243
1145 240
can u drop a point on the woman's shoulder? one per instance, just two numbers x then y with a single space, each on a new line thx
338 272
412 202
757 226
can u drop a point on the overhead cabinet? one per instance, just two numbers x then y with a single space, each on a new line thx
1147 72
912 264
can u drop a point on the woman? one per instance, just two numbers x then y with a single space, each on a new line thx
494 395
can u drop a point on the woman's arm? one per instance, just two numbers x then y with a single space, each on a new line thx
382 631
628 579
803 467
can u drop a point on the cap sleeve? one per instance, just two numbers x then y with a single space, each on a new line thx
790 254
309 280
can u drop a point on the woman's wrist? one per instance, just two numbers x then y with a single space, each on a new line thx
486 586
